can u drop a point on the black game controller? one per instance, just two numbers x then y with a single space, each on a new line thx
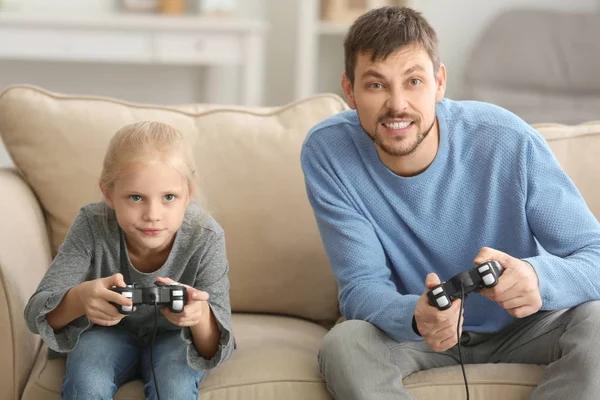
172 295
482 276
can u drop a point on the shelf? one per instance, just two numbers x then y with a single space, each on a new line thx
126 21
120 38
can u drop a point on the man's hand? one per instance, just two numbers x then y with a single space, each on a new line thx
438 328
196 309
518 289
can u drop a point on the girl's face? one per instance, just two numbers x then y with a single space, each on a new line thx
150 203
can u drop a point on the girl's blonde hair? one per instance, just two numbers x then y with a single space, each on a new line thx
148 142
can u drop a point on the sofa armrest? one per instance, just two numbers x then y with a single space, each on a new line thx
24 257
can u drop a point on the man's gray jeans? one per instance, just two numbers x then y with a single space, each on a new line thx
358 361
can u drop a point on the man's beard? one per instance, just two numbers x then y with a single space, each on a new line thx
392 150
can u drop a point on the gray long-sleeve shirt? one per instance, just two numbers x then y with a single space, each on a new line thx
92 249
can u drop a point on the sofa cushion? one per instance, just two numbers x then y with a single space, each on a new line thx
251 181
276 358
577 148
486 381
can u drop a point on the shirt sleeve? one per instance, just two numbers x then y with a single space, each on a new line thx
67 270
357 257
212 278
569 267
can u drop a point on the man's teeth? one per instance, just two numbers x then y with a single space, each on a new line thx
398 125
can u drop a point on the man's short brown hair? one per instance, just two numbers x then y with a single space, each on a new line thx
383 31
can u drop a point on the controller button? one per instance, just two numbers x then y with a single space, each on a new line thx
437 290
442 301
127 308
177 292
127 294
489 279
484 268
177 305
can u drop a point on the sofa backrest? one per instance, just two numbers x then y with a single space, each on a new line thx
577 148
251 180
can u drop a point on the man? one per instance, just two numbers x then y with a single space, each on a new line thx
409 187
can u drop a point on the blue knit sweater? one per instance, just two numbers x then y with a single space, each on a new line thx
494 182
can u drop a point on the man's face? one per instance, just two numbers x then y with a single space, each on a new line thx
395 99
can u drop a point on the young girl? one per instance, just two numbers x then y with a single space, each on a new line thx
147 230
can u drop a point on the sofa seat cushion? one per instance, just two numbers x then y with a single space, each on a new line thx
486 381
276 358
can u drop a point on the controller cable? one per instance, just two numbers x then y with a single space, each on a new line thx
462 366
153 297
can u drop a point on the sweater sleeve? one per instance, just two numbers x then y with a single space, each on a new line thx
212 278
569 268
67 270
357 257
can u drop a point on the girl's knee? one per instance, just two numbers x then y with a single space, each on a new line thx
181 384
87 384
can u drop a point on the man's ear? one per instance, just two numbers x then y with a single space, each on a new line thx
440 80
107 193
348 91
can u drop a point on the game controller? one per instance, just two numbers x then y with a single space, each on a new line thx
172 295
482 276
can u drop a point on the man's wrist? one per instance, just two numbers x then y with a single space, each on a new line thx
414 326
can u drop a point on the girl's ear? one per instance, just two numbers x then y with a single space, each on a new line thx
107 193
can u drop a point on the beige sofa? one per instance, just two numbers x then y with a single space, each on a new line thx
283 294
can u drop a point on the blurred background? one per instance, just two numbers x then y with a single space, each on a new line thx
539 58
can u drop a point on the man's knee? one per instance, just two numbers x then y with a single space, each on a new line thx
588 315
584 326
348 338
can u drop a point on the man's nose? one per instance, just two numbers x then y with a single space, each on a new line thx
397 101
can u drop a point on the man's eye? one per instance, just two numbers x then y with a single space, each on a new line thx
169 197
135 198
415 82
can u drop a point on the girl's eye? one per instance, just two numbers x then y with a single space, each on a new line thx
135 198
169 197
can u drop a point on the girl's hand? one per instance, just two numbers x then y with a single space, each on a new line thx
195 310
95 298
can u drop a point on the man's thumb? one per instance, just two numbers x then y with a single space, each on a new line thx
432 280
115 280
